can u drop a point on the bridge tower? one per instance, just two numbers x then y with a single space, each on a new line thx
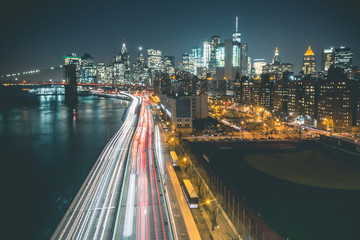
71 96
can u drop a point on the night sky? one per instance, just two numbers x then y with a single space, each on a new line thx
36 34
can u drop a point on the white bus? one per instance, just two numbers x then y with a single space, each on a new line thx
174 160
191 196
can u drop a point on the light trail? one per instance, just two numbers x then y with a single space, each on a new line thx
145 213
121 197
92 212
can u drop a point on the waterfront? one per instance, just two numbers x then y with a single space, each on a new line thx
295 211
47 153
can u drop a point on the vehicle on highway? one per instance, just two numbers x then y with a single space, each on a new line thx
191 196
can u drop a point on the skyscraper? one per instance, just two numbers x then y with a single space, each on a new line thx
220 55
258 66
169 65
276 68
154 59
244 59
343 58
236 34
215 41
88 71
309 66
196 59
229 59
276 58
327 59
206 54
187 63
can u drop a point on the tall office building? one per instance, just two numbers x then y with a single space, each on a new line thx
276 68
327 59
258 65
244 59
249 66
140 71
154 59
220 56
121 65
187 63
215 41
236 54
154 62
88 71
309 66
196 52
196 58
231 60
206 54
343 58
236 35
336 102
276 58
125 57
169 65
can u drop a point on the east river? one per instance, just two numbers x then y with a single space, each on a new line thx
46 154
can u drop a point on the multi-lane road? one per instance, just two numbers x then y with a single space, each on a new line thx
121 198
142 213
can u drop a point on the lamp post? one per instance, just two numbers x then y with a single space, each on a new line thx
215 212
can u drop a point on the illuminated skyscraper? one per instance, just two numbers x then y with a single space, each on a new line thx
196 59
154 59
276 68
327 59
244 59
125 58
343 58
220 55
236 54
154 62
169 65
187 63
206 54
309 66
215 41
88 71
140 74
258 66
276 58
237 35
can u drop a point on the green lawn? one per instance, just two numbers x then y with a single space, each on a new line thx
307 167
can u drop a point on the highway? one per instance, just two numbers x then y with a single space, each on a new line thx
142 213
93 212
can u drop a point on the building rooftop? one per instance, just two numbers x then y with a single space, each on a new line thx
309 52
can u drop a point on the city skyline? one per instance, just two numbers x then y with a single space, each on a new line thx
50 34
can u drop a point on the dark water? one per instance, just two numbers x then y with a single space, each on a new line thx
46 155
293 210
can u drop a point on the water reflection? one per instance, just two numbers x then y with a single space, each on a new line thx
50 151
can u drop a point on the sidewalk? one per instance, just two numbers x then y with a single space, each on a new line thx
182 221
202 216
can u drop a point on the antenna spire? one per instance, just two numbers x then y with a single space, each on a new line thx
237 23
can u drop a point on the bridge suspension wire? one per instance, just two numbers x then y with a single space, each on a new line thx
30 72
